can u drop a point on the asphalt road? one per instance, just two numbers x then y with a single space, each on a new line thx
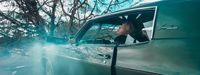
20 64
46 60
30 61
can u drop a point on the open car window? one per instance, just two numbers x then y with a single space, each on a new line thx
104 30
101 33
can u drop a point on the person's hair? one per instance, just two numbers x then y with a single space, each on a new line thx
130 26
135 30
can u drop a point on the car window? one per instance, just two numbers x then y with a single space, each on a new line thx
144 20
138 28
101 33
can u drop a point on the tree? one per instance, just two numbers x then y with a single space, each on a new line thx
26 16
79 11
43 18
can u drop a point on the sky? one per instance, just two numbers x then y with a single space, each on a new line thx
5 6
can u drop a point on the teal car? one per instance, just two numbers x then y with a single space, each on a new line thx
173 48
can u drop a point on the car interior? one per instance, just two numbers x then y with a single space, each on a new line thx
103 31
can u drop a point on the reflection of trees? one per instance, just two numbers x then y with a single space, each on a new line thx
106 31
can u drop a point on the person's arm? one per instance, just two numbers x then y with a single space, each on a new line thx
121 39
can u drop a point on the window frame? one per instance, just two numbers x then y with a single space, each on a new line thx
89 23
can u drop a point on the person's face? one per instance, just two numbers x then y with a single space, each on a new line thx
123 30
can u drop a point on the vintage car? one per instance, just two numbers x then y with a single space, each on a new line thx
172 48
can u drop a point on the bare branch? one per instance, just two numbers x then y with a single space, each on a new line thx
59 20
117 3
41 5
81 4
65 13
12 20
91 13
107 9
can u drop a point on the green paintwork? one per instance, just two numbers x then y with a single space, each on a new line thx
174 48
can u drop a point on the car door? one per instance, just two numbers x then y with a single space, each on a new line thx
91 55
97 48
92 51
135 57
96 41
